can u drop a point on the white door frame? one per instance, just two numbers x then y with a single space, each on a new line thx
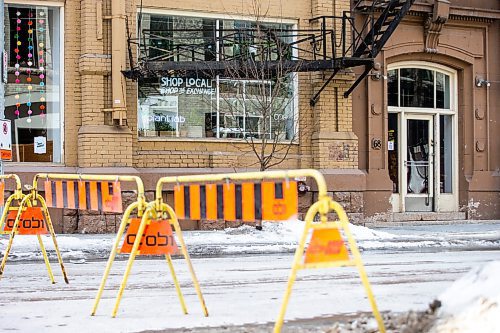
431 159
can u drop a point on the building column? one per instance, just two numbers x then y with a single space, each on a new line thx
100 143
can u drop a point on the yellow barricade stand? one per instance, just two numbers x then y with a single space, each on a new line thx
326 248
27 218
151 234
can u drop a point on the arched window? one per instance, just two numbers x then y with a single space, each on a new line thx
418 88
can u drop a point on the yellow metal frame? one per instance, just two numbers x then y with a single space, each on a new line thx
261 175
323 206
151 213
17 195
29 201
32 199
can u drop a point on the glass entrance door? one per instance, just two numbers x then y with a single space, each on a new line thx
418 153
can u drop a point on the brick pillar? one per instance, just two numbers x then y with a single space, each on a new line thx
334 144
99 145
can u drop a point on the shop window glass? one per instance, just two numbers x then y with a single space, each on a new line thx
417 88
210 107
446 154
392 87
442 91
393 149
32 93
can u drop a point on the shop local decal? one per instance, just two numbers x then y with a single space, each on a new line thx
186 86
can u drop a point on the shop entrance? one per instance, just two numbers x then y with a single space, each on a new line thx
422 138
419 175
422 162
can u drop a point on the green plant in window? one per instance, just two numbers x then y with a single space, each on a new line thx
163 126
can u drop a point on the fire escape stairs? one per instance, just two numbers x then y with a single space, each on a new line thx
380 30
208 53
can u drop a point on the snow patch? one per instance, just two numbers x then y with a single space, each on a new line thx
472 303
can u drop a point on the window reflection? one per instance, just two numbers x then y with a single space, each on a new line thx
446 154
442 91
205 107
417 88
392 87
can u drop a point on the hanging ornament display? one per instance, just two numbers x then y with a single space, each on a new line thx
17 72
30 70
41 61
30 63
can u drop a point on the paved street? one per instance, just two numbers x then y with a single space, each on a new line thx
237 289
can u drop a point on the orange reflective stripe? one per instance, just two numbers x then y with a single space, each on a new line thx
267 200
112 202
194 202
2 197
105 196
59 194
211 192
94 202
82 200
229 202
117 196
248 203
291 197
179 201
48 192
71 194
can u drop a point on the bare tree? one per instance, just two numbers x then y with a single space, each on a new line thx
257 89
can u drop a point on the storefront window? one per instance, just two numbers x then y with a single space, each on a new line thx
32 94
210 106
392 87
446 153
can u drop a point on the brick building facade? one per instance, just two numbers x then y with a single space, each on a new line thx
95 112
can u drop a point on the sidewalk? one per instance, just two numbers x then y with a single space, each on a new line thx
279 237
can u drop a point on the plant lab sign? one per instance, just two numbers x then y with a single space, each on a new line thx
186 86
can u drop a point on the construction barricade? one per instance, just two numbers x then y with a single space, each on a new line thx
271 195
29 217
149 234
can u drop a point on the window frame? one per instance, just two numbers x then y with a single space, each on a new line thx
427 66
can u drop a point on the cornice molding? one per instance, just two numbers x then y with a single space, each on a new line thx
468 14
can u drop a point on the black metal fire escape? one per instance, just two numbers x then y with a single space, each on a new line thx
260 48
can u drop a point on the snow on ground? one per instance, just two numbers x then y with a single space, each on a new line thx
276 237
472 303
249 289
